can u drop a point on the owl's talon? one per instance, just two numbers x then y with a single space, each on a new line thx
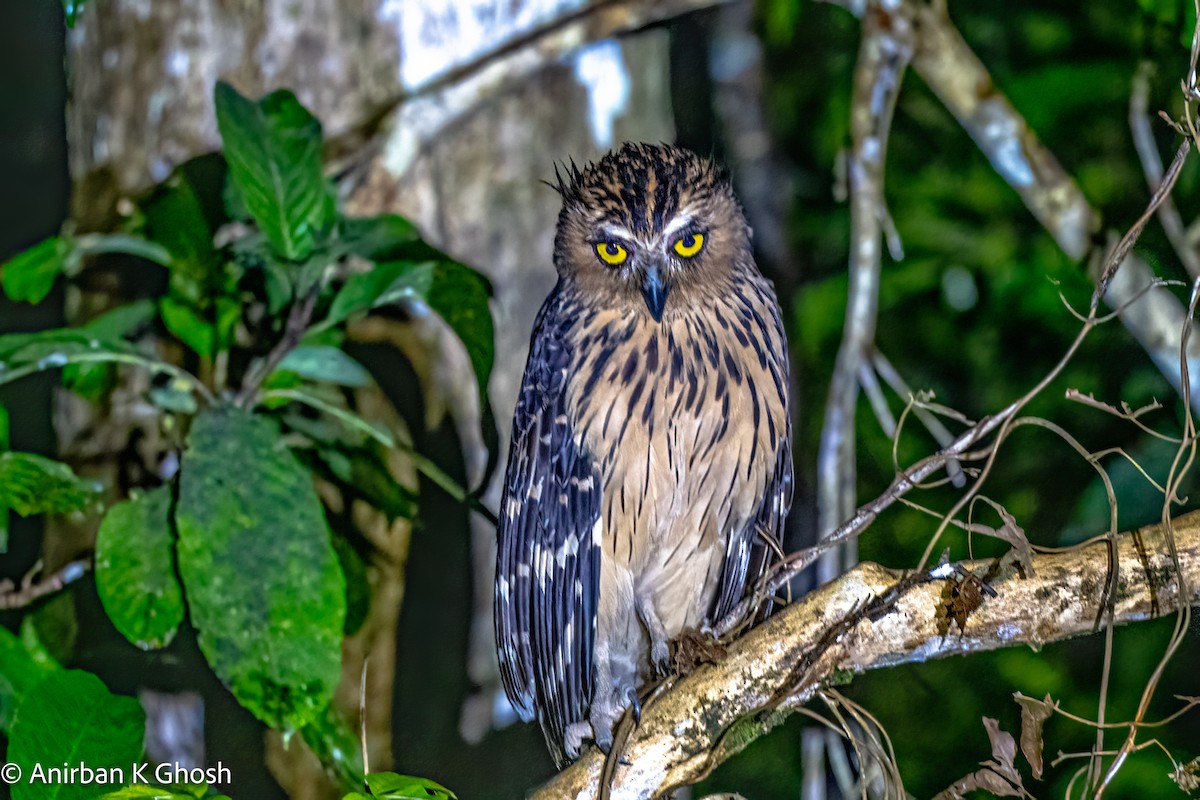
604 742
635 705
574 736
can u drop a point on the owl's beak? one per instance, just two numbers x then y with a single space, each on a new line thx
655 292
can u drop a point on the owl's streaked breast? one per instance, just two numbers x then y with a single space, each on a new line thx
684 420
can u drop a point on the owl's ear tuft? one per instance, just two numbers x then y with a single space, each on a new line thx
567 179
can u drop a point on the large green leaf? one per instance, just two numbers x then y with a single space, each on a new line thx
457 293
70 718
273 148
19 672
32 484
135 569
261 578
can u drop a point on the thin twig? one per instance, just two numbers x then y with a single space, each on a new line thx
297 324
35 586
1147 151
941 434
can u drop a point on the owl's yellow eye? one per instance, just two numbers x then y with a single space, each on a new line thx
689 244
611 253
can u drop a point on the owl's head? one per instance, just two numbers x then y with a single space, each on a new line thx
651 228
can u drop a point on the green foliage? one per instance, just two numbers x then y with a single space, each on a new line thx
29 276
21 668
4 509
326 365
33 484
247 508
336 743
236 542
70 718
457 293
146 791
135 569
274 153
390 786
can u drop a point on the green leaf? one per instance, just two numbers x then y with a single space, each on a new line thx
365 473
56 347
33 644
387 237
261 578
4 510
93 381
273 148
175 397
29 276
206 332
32 484
71 718
458 294
135 569
23 354
176 220
327 364
391 786
19 672
335 742
146 791
358 585
186 325
128 244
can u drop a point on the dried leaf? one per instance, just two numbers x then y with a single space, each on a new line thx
999 774
1187 776
1004 749
961 597
1014 534
1034 714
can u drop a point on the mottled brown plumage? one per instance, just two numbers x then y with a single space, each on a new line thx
650 469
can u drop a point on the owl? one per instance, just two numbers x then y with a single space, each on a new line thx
650 470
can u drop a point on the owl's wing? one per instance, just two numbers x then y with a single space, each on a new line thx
548 560
750 551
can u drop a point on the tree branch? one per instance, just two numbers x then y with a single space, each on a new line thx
946 62
886 49
716 711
